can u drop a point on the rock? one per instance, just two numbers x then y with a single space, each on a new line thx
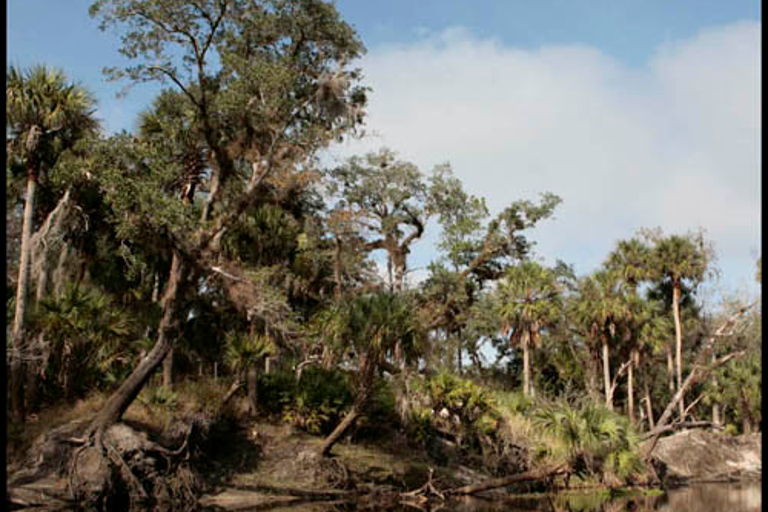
699 455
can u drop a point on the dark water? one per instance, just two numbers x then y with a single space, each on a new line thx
731 497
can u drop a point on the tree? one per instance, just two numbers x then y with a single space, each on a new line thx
45 116
631 260
244 354
679 260
268 85
170 125
528 302
600 309
372 325
387 199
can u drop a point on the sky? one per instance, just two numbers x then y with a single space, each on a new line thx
639 114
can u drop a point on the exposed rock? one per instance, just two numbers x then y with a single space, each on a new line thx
699 455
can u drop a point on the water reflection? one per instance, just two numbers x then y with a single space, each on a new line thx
732 497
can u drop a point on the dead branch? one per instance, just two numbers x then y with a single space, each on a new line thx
681 425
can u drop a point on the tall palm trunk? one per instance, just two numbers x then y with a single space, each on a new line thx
251 382
121 399
678 345
607 374
670 370
630 386
22 288
526 366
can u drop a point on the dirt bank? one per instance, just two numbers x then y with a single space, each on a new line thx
704 456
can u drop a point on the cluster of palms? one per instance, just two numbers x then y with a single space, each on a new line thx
632 305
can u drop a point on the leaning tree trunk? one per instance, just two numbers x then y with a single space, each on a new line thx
121 399
607 374
368 369
678 346
22 288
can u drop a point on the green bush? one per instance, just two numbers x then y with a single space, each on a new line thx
276 392
600 442
315 404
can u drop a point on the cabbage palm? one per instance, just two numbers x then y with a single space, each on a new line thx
631 260
529 301
371 325
86 337
601 309
243 355
45 116
677 259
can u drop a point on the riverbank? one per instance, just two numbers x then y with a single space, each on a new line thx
458 438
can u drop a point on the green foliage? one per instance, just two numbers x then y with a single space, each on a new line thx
315 403
597 439
89 340
276 392
243 350
45 115
322 397
528 302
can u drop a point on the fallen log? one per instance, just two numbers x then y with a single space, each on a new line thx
495 483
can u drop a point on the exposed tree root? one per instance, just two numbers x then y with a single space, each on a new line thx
118 468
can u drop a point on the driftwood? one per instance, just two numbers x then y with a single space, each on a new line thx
495 483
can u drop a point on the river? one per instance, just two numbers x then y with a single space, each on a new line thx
712 497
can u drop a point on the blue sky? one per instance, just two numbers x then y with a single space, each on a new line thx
638 113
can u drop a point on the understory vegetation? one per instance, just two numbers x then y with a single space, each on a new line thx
207 269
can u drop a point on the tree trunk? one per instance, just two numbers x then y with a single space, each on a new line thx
678 346
236 385
17 363
341 428
526 370
715 405
506 481
121 399
630 388
368 368
607 374
168 370
648 405
670 370
253 375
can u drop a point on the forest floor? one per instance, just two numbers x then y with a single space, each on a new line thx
286 471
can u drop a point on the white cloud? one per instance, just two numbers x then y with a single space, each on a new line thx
675 143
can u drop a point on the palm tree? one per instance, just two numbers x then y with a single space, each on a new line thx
529 301
652 336
45 116
244 354
87 337
677 259
601 309
631 260
371 325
